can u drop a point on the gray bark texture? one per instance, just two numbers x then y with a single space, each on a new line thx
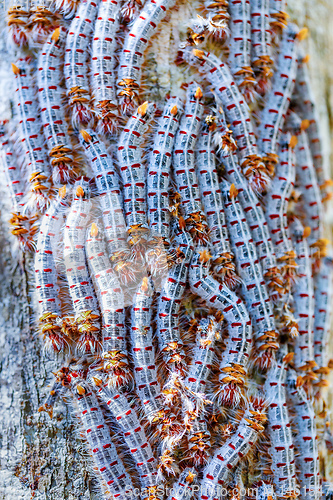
44 458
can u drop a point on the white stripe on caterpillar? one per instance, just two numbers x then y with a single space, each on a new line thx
253 284
237 112
47 288
133 171
261 37
76 58
99 441
31 139
184 163
233 365
218 472
240 47
103 66
278 15
132 54
303 294
41 21
278 99
80 285
306 107
132 432
50 95
17 20
222 258
279 430
306 456
111 303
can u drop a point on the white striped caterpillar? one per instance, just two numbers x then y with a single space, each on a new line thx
253 284
278 15
158 182
277 103
129 10
103 66
184 163
276 201
307 110
81 289
252 207
133 434
185 485
143 350
50 95
133 172
132 54
17 20
303 294
233 365
306 456
281 443
261 37
222 258
111 304
240 47
76 58
41 21
237 112
66 7
31 139
47 288
218 472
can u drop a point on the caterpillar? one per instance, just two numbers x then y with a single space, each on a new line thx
76 57
306 456
307 110
184 163
17 21
31 139
143 351
41 21
278 15
254 213
240 47
217 473
278 99
303 294
132 54
158 183
81 289
185 486
112 307
253 284
47 288
103 66
233 365
66 7
222 259
276 201
261 49
279 430
133 434
129 10
215 25
237 113
133 173
50 94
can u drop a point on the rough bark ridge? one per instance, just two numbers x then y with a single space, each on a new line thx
41 457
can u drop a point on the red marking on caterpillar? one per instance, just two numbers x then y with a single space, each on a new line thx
76 57
132 54
306 456
233 365
261 50
240 47
41 22
80 286
218 472
281 443
31 139
50 95
278 99
112 307
253 284
103 63
237 112
46 276
17 20
129 10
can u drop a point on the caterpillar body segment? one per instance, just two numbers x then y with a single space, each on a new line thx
41 22
66 7
129 10
17 23
50 96
184 487
278 16
261 48
253 284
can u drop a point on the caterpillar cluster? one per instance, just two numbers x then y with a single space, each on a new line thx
183 280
